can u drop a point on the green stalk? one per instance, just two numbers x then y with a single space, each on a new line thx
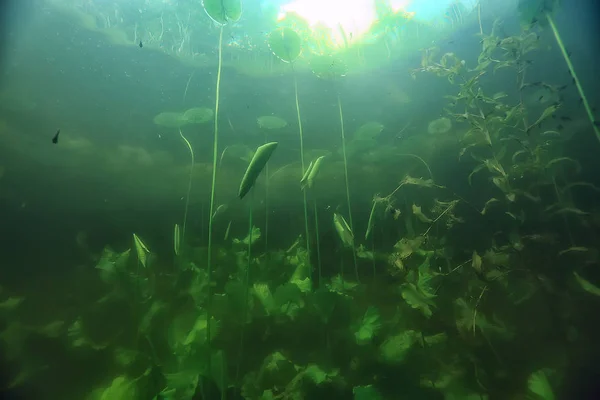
246 291
586 104
187 199
303 167
266 203
212 199
347 184
318 243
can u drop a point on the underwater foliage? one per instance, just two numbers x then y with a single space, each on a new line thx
473 279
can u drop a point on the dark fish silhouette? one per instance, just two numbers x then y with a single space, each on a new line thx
141 44
55 138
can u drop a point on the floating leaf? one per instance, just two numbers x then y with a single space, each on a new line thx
587 286
198 115
370 130
286 44
439 126
343 230
170 120
260 159
271 122
140 249
328 67
223 11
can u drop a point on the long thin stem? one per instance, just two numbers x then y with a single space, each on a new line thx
318 244
212 199
347 183
246 290
266 203
303 167
187 86
187 199
563 50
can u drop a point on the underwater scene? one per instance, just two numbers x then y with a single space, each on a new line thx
299 200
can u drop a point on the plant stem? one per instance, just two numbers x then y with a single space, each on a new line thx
318 244
187 200
303 168
347 184
212 200
246 290
266 203
586 104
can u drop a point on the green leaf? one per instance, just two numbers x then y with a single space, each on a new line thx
587 286
416 299
271 122
539 385
286 44
261 157
198 115
140 249
395 348
366 393
223 11
328 67
343 230
368 327
317 375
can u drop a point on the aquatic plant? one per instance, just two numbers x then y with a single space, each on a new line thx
536 11
269 123
222 12
439 126
286 45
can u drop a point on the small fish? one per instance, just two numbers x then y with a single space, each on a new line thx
141 44
566 118
55 138
597 123
563 87
541 97
560 127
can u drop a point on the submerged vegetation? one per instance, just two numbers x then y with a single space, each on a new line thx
473 286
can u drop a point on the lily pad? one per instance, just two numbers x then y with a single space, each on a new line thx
271 122
170 119
328 67
223 11
286 44
439 126
367 131
198 115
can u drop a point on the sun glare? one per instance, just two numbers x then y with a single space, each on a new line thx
354 17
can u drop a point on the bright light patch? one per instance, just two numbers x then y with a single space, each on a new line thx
354 17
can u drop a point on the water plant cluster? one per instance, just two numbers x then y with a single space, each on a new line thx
476 295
